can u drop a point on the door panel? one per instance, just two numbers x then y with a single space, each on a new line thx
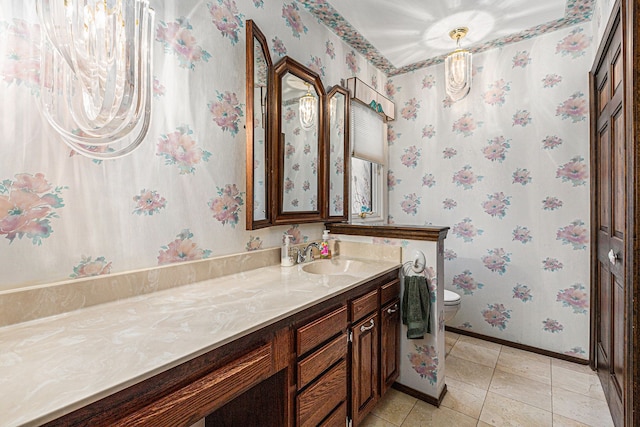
605 190
619 157
618 335
364 367
604 324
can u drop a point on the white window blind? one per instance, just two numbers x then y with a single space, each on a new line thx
368 133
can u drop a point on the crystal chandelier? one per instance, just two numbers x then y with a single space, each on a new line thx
96 73
308 104
457 68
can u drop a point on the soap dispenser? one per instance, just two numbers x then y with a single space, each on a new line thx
286 260
325 253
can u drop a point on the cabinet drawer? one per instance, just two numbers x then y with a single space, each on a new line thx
364 305
206 394
316 402
315 333
390 291
319 361
337 418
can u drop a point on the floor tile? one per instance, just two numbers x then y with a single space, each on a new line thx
522 389
560 421
482 343
424 414
475 353
450 338
451 335
502 411
526 354
585 369
469 372
590 411
394 407
538 369
464 398
373 421
587 384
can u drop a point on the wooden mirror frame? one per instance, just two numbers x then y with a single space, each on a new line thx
279 216
346 155
253 36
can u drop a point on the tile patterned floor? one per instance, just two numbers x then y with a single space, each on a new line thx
493 385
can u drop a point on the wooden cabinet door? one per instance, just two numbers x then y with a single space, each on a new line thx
389 345
364 367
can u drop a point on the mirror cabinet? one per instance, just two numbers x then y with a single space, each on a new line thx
337 137
298 135
259 69
297 142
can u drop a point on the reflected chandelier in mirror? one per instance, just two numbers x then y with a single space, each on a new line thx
299 187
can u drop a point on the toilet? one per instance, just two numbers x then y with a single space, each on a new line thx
451 305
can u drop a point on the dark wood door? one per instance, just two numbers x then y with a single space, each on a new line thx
364 368
611 289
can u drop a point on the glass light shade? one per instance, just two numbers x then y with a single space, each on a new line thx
457 71
333 105
308 108
96 75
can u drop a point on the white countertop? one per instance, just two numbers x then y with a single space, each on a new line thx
52 366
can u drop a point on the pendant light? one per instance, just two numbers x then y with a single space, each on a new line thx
457 67
96 73
308 104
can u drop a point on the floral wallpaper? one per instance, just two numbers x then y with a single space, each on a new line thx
507 168
182 195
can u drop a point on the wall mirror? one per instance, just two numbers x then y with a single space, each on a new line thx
259 77
298 133
338 146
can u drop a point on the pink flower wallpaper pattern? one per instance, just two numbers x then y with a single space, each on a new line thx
226 111
178 38
227 19
21 65
28 204
183 248
180 148
89 267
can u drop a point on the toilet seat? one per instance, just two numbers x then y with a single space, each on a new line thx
451 298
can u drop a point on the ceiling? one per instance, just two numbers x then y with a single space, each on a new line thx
398 36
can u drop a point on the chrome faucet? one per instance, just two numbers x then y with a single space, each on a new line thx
306 254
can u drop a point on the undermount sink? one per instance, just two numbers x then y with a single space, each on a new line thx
333 267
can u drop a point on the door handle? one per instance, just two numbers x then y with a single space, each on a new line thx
364 328
612 257
393 309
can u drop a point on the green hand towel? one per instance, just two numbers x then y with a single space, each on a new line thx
416 307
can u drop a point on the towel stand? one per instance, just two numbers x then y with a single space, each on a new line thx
417 265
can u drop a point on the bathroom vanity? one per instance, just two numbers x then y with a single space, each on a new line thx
271 347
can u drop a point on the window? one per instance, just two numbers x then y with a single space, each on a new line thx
368 165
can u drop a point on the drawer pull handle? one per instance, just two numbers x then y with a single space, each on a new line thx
364 328
393 309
